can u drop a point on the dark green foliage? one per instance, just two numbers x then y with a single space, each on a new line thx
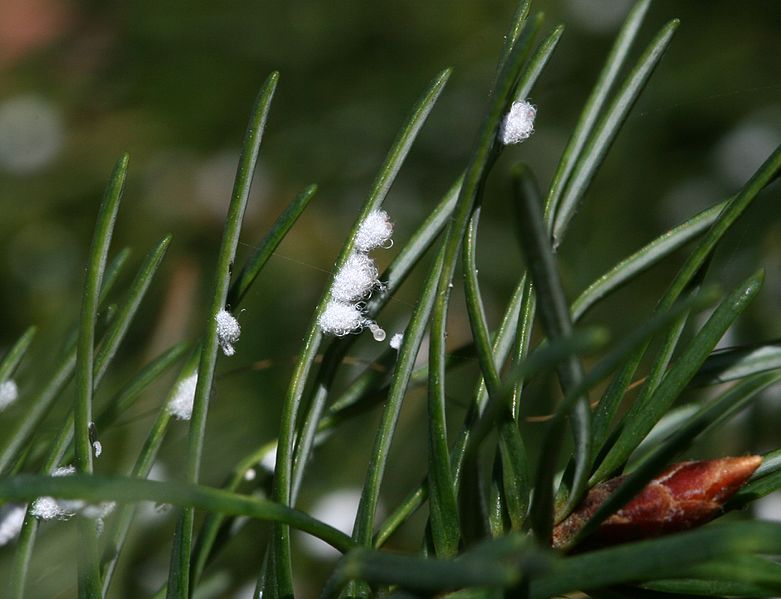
488 478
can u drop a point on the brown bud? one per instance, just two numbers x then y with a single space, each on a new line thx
684 496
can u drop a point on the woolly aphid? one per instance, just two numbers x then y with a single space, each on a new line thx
181 404
48 508
228 331
355 280
341 319
396 340
9 393
374 232
518 124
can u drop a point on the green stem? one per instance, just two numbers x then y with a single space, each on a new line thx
89 572
179 574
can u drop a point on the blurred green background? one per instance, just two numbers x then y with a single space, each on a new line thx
172 83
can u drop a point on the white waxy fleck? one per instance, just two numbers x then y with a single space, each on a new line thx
181 404
355 279
228 331
395 341
375 231
48 508
341 319
518 124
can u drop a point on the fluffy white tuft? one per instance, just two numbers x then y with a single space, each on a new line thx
518 124
64 471
181 404
9 393
11 520
97 448
374 232
396 340
48 508
228 331
355 279
341 319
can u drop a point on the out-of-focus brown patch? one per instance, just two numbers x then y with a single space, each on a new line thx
27 25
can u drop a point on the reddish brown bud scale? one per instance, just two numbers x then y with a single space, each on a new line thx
684 496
